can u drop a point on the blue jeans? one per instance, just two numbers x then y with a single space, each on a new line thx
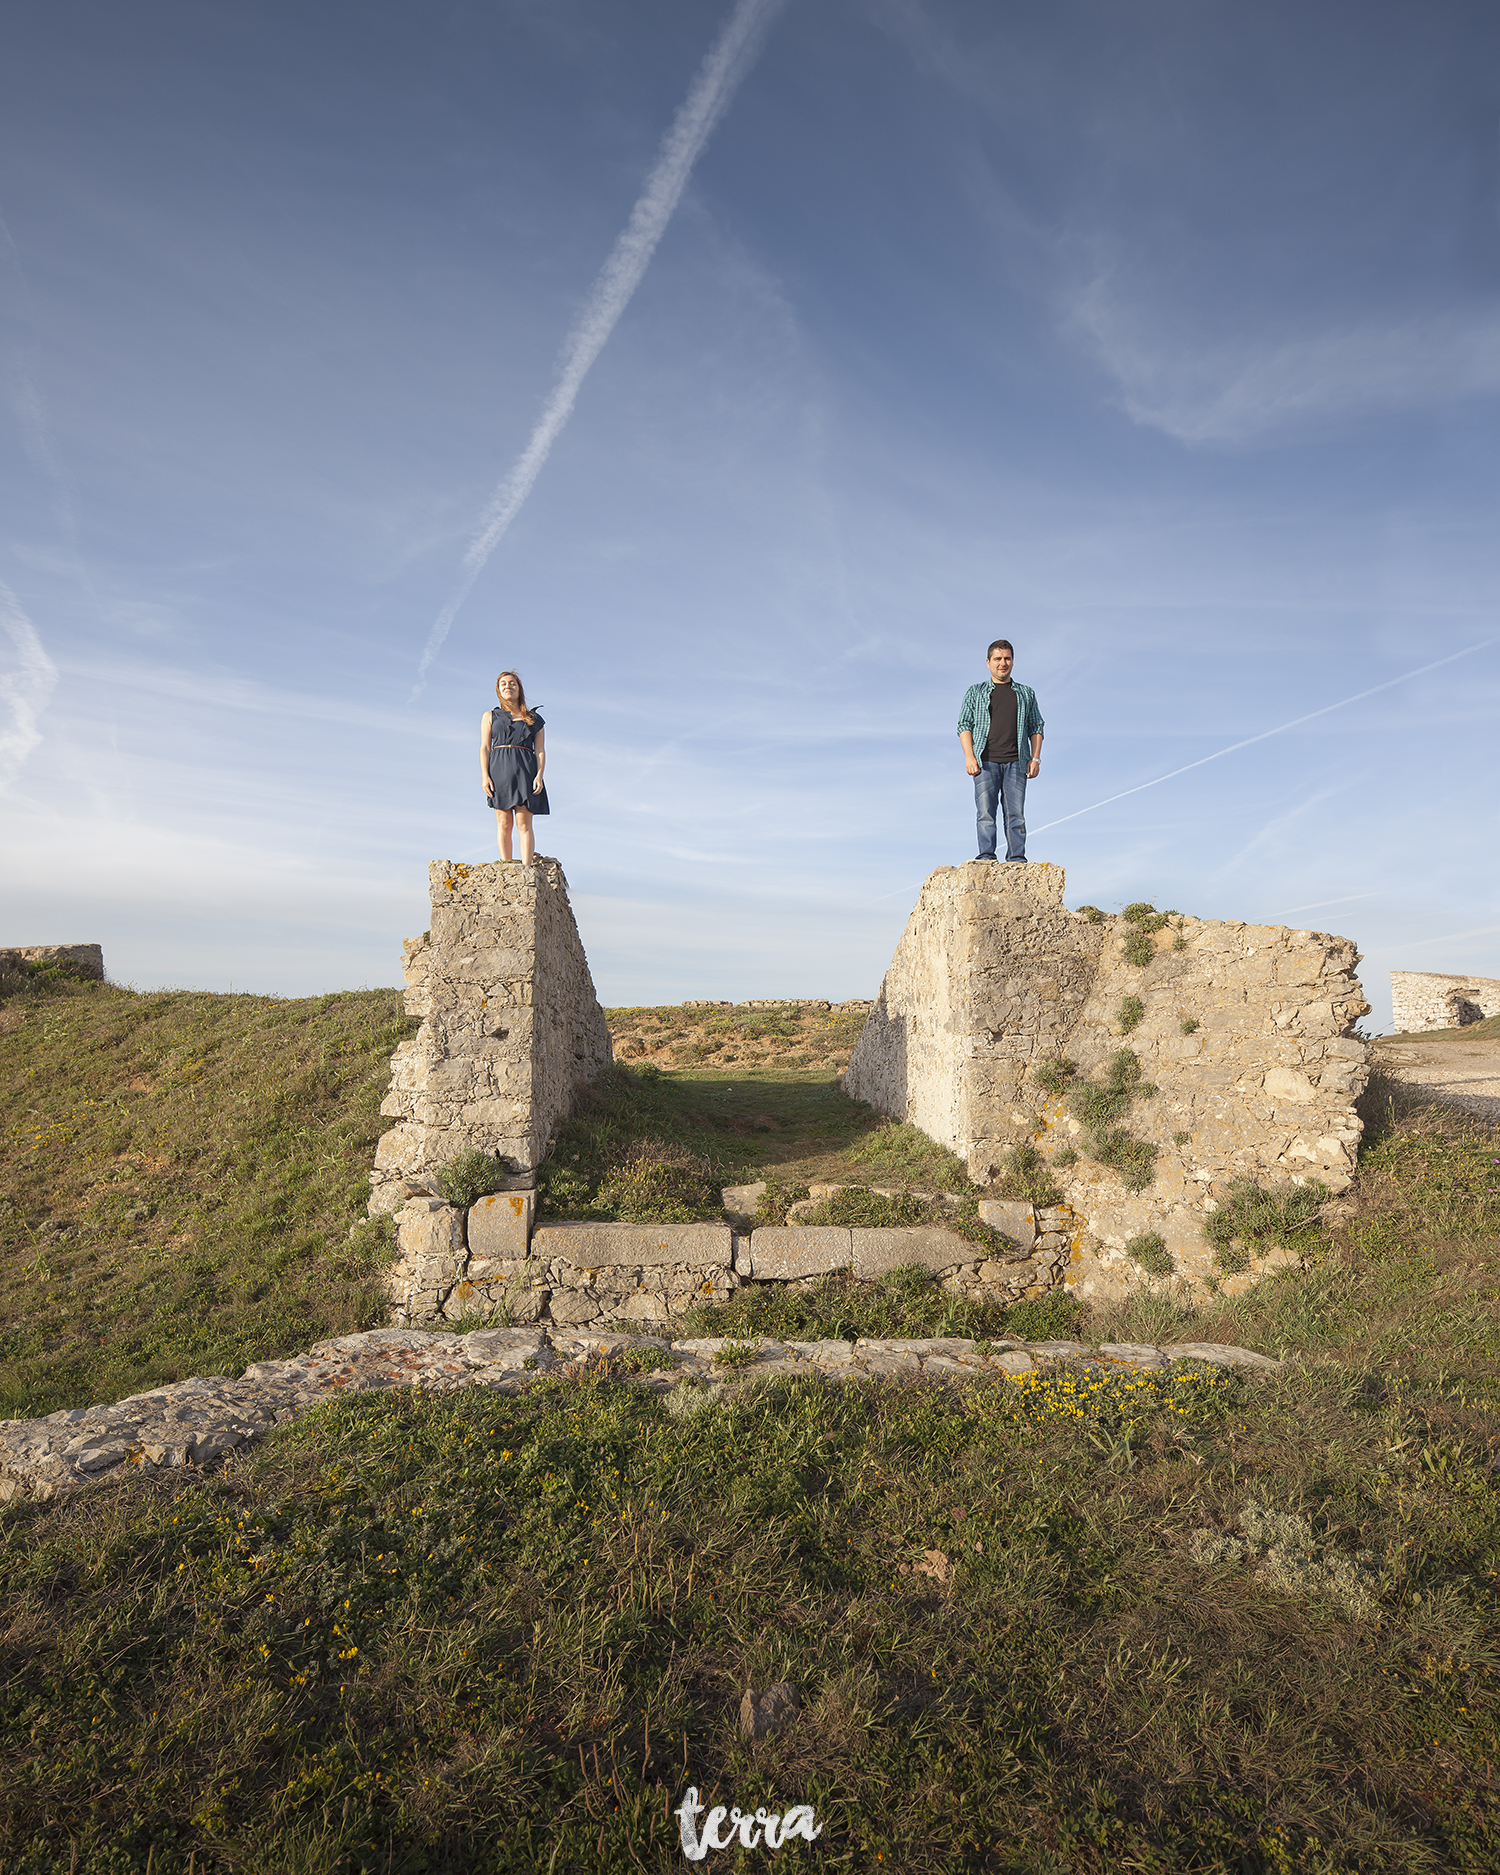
1003 785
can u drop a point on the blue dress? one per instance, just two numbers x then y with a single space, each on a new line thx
513 762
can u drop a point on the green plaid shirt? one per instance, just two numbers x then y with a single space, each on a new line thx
974 715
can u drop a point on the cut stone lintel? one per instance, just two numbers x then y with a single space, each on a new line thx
630 1246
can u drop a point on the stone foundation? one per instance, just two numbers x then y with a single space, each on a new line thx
203 1423
511 1027
488 1264
1429 999
1244 1031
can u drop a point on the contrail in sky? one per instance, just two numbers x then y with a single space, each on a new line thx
1280 729
709 94
25 686
1249 742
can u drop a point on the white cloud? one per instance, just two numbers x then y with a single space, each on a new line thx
27 680
1234 393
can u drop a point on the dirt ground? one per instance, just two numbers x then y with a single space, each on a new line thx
1463 1070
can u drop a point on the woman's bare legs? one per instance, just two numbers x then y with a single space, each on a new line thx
520 817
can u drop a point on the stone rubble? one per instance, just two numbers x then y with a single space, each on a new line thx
202 1421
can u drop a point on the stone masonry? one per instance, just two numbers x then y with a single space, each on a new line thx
489 1263
1246 1032
204 1423
511 1027
1429 999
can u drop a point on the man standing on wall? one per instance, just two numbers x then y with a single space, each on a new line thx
997 721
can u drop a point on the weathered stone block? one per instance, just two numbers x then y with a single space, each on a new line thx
877 1252
500 1224
429 1231
740 1201
1012 1217
572 1305
503 1347
787 1252
606 1246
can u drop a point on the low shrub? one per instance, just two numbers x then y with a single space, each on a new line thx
1134 1159
471 1176
857 1206
775 1201
1097 1105
659 1183
1146 921
1053 1076
1054 1316
1101 1107
1024 1173
1131 1014
1252 1218
1150 1251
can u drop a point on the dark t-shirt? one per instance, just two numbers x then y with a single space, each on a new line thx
1001 745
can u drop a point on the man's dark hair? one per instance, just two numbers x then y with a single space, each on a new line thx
1000 644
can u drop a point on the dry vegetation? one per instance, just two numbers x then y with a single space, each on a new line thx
739 1035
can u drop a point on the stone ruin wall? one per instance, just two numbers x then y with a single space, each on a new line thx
511 1027
994 976
1429 999
83 960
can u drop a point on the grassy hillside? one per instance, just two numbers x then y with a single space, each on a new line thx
179 1173
1074 1626
1186 1623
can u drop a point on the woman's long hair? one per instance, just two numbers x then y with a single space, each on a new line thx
522 712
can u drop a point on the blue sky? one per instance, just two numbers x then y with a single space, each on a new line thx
1159 336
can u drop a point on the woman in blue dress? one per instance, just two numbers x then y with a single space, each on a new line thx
512 755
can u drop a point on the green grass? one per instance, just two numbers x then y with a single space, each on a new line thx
180 1172
1487 1030
421 1633
907 1302
787 1126
1193 1622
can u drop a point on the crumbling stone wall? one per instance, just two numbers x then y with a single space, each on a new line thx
511 1027
1245 1031
84 960
1432 999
